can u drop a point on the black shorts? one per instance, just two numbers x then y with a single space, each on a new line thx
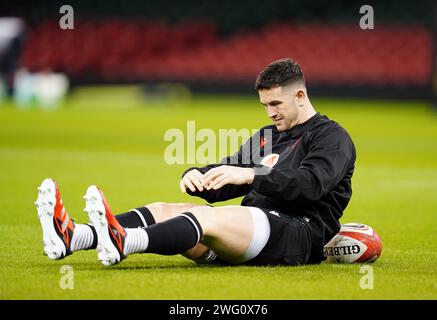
289 242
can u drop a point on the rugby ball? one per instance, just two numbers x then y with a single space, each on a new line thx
354 242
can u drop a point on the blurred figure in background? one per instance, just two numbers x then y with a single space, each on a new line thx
12 33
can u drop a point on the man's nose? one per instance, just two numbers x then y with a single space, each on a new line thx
271 112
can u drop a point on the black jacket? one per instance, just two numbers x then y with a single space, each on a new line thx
312 178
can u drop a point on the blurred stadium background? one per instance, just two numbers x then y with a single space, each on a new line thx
130 70
221 45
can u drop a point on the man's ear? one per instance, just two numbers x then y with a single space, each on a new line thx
300 98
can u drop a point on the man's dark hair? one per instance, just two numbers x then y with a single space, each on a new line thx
279 73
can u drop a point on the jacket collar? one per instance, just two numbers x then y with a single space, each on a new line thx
300 128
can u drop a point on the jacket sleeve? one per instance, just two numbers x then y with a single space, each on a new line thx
329 157
228 191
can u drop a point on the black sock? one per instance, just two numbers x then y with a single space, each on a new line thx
175 235
139 217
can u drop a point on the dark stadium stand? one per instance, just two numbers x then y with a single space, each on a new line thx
195 52
211 44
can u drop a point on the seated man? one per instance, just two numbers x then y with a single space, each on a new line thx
293 197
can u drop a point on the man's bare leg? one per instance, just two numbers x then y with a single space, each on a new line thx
222 227
227 230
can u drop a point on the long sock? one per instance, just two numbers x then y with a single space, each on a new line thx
84 237
136 240
170 237
139 217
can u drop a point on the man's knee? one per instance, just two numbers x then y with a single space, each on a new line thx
157 209
163 210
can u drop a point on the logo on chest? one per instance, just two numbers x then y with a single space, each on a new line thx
270 160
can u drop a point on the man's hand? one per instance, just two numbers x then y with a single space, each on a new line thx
193 180
223 175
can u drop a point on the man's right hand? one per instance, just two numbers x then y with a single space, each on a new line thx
191 180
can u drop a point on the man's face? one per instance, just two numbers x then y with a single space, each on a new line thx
281 106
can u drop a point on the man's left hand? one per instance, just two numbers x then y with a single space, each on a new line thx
218 177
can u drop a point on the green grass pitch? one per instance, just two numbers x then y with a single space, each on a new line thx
116 142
